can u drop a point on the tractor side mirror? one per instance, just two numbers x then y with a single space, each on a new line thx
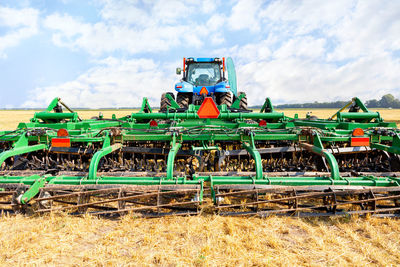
178 71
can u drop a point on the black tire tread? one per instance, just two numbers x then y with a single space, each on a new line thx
165 102
243 101
183 100
225 98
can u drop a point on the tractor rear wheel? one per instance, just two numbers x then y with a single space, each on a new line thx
165 102
225 98
183 100
243 101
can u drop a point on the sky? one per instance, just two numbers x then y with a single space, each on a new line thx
112 53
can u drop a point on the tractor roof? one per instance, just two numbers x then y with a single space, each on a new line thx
202 59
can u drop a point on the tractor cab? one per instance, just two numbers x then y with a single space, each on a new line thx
204 73
203 77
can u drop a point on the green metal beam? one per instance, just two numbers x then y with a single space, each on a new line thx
55 116
236 103
20 147
94 162
193 115
318 149
394 148
174 104
251 148
267 106
307 181
33 189
53 104
145 106
175 146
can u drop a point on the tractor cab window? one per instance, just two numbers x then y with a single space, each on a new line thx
205 74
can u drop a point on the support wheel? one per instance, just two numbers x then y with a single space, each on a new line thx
165 102
243 101
225 98
183 100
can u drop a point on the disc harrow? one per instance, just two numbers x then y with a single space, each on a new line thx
181 161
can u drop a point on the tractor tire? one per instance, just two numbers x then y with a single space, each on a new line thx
183 100
243 101
165 102
225 98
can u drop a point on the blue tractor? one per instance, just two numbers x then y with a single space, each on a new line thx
205 77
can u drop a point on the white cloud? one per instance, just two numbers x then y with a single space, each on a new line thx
292 51
209 6
371 28
20 24
100 38
216 22
113 83
306 47
302 17
245 15
296 60
217 39
295 80
132 27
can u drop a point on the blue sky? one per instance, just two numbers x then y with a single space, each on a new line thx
104 53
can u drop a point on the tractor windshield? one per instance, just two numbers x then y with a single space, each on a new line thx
203 74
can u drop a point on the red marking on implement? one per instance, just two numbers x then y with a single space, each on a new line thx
208 110
61 142
360 141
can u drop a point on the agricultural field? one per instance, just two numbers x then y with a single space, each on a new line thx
205 240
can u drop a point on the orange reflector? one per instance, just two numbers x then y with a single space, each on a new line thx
208 110
203 91
62 133
358 132
61 142
153 123
360 141
184 63
262 123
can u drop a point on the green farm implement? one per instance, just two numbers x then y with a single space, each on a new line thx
204 157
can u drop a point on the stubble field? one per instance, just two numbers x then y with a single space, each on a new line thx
206 240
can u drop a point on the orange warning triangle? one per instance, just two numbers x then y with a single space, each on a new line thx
203 91
208 110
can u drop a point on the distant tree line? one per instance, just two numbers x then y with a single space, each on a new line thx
387 101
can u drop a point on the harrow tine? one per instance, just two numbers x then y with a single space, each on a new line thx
158 206
331 204
146 195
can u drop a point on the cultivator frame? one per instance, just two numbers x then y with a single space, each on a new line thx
233 162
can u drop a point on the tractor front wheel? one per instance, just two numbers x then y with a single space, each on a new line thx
165 102
183 99
225 98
